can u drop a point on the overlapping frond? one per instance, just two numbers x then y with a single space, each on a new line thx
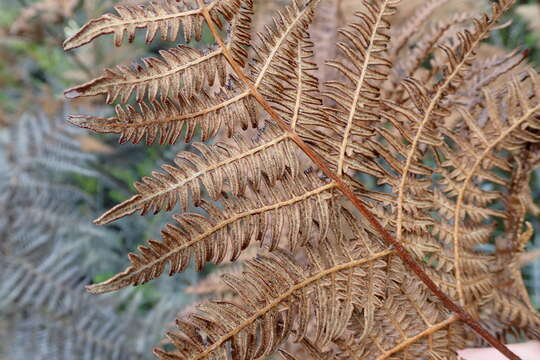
411 27
406 322
418 123
182 70
230 165
476 160
281 70
409 62
300 210
510 310
191 105
401 333
168 120
485 73
324 292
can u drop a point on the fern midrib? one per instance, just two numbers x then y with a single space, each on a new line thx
461 194
359 88
299 91
278 300
402 252
142 199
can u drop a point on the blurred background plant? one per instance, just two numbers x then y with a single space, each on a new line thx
54 180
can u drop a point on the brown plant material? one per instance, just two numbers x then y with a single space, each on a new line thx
349 270
48 11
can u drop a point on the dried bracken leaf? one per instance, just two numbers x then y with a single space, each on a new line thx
182 68
169 17
233 164
304 208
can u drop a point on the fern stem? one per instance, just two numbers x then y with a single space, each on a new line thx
359 204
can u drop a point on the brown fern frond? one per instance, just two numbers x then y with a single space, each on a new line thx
399 330
479 163
487 72
272 311
434 341
167 120
514 315
180 70
208 111
470 236
510 307
409 62
428 108
169 17
365 68
411 27
232 165
301 208
306 348
281 70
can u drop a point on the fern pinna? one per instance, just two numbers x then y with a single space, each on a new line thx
375 195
